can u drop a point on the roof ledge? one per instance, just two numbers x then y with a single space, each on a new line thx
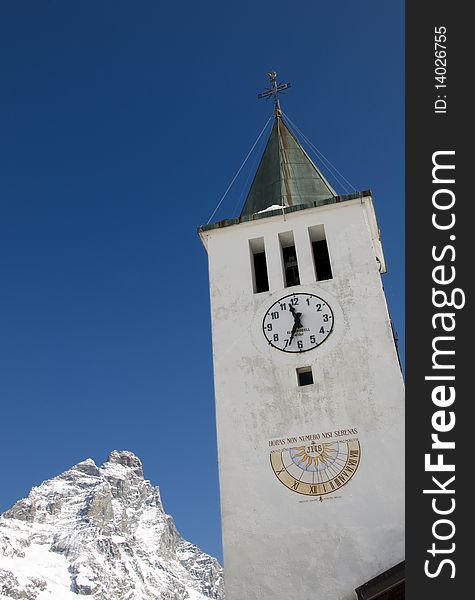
282 210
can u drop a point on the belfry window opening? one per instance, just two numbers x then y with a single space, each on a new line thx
321 257
289 259
260 279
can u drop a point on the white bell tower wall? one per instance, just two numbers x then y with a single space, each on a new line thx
279 543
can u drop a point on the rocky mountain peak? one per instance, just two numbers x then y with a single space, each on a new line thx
126 459
87 466
104 534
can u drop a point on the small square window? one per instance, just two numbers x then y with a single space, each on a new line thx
305 376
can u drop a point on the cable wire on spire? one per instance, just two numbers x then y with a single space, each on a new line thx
251 172
239 170
335 172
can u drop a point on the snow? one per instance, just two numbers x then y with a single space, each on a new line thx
39 562
102 533
269 208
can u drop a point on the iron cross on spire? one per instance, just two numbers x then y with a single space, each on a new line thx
274 91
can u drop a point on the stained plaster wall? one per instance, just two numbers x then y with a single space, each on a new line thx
279 544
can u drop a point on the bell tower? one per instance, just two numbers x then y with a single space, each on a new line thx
309 391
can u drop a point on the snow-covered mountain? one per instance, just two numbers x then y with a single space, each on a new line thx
100 533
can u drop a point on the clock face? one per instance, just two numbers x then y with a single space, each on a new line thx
316 469
298 322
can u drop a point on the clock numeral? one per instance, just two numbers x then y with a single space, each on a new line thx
269 326
308 301
313 489
294 301
312 339
276 337
286 343
319 307
322 330
300 344
295 485
325 318
283 306
274 315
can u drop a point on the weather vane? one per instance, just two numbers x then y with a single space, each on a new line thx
273 91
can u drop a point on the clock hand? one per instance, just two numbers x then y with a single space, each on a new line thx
296 316
297 325
298 322
294 329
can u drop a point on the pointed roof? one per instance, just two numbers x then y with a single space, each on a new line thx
286 175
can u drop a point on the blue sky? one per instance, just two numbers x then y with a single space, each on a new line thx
122 124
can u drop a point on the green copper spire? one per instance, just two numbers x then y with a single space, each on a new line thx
286 175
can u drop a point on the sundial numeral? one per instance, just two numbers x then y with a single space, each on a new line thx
325 467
